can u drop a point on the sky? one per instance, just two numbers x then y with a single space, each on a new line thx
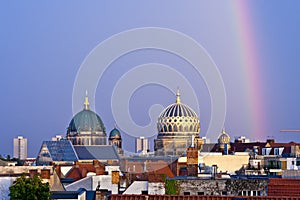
254 45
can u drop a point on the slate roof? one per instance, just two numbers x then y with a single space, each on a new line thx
99 152
246 147
85 183
211 147
61 150
243 147
66 194
3 163
137 187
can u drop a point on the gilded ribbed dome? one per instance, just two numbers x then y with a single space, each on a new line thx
178 118
224 138
178 110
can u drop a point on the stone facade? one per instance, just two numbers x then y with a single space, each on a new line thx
230 187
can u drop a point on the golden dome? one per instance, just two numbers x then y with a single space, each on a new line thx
178 119
224 138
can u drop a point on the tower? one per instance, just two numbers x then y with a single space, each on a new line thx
141 145
20 148
116 139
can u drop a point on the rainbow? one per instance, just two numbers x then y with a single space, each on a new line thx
249 60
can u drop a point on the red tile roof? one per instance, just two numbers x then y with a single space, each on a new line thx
80 170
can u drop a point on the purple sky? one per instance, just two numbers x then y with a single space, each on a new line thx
42 46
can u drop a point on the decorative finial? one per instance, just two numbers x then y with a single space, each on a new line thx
223 130
86 101
115 125
178 96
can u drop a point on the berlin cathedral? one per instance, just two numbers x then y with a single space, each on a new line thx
178 128
86 128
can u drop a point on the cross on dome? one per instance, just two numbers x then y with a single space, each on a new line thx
86 101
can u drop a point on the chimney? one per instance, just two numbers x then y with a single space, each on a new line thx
32 172
270 141
115 177
58 170
101 194
214 171
95 163
192 161
84 172
45 173
99 170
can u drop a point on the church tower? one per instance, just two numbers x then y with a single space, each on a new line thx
116 139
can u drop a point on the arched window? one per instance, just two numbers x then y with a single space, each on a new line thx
175 128
186 128
170 128
165 128
180 128
159 128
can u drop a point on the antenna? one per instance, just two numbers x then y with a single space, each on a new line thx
290 130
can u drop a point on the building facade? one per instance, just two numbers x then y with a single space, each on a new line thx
141 145
20 148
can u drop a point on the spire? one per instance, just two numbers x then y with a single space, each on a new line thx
223 130
86 101
115 125
178 96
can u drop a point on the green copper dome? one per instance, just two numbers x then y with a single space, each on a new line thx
86 120
114 133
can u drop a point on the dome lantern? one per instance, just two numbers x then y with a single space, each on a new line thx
178 96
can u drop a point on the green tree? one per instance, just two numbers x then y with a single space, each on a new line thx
29 188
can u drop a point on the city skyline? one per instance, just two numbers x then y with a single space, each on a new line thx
253 44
